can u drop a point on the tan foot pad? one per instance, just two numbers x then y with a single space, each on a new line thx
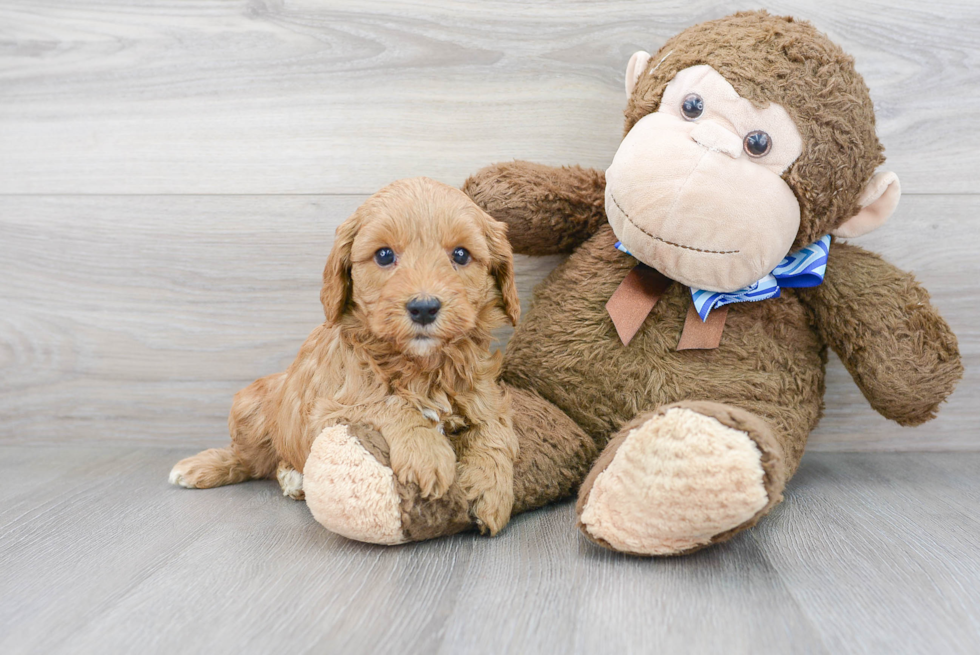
678 480
349 492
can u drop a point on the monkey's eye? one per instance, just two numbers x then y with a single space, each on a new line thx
692 106
757 143
461 256
384 257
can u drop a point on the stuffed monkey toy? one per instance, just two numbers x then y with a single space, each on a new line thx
672 367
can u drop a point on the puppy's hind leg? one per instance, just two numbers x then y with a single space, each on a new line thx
210 468
290 481
250 455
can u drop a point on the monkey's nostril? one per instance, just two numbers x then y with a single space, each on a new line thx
423 310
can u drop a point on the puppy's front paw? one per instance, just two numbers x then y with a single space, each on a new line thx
431 464
492 496
492 510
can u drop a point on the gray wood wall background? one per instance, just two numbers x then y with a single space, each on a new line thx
171 174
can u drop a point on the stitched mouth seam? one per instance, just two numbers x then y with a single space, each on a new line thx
669 243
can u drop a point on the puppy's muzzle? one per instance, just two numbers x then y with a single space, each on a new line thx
423 309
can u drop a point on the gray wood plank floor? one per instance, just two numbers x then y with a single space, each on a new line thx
870 553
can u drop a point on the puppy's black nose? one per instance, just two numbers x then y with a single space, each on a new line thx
423 310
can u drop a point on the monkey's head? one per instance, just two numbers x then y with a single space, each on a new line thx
746 138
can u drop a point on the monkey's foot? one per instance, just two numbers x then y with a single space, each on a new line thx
686 476
351 490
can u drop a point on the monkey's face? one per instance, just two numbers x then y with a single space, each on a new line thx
695 189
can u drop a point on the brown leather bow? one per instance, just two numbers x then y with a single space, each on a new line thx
637 295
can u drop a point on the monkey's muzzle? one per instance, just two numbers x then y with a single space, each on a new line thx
684 199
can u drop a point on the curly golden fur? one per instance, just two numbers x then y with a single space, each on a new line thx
430 389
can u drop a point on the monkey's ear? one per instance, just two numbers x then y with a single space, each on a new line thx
638 64
878 201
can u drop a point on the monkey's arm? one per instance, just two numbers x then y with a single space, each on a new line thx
548 210
878 319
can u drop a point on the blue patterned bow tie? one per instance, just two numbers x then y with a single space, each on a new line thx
803 268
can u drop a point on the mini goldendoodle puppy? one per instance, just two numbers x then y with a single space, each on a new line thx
417 278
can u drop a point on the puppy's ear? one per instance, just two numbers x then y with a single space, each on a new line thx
337 290
502 267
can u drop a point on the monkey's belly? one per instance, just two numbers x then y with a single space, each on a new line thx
769 362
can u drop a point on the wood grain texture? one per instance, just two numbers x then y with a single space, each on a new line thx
137 318
868 554
866 536
265 96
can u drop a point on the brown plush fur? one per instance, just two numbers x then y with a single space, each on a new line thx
568 203
879 320
769 362
370 365
767 376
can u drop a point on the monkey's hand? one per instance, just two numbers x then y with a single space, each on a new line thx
548 210
878 319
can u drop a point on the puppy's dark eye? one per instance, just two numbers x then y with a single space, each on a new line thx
461 256
757 143
692 106
384 257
